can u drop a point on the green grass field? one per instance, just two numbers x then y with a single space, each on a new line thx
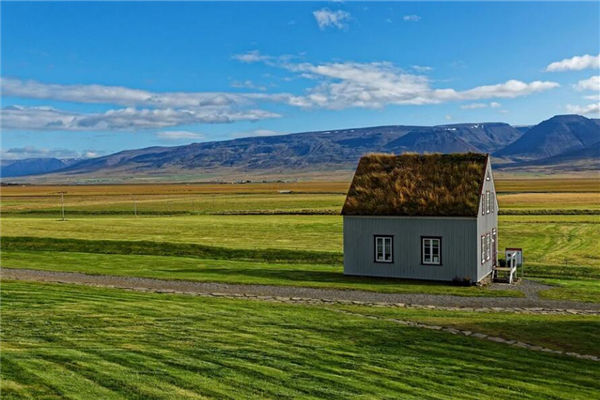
79 342
563 248
61 341
228 271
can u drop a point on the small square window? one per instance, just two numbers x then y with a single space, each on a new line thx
431 250
384 249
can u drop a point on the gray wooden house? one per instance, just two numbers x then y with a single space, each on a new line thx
432 217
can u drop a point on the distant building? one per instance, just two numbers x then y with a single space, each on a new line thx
432 217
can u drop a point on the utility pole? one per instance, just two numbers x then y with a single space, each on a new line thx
62 205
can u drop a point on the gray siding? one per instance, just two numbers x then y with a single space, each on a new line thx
459 247
485 224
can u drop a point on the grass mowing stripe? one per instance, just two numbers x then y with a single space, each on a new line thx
387 359
24 384
167 249
233 272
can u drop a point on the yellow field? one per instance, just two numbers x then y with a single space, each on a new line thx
549 185
523 194
173 189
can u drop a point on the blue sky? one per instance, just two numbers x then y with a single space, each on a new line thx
83 79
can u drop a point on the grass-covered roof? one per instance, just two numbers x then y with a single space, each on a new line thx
417 185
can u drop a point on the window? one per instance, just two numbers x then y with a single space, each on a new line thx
482 249
431 250
492 202
482 204
487 176
494 244
488 247
487 202
383 249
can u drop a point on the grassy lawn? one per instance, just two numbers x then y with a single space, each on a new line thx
239 272
174 204
576 333
306 232
553 239
559 247
80 342
587 290
262 248
545 239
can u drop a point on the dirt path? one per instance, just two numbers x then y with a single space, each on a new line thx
531 304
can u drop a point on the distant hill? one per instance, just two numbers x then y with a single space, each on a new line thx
311 150
329 153
31 166
559 134
574 160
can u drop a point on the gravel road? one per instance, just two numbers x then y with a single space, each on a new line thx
159 285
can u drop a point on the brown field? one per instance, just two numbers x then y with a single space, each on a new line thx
559 200
541 185
174 189
525 194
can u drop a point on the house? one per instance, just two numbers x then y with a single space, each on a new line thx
432 217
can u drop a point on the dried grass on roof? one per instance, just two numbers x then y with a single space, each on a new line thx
417 185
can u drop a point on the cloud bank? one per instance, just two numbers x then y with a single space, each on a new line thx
576 63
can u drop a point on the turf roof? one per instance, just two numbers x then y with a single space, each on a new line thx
417 185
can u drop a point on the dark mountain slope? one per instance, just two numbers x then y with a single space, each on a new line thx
574 160
31 166
310 150
557 135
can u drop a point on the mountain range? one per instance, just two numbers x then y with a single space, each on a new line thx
555 144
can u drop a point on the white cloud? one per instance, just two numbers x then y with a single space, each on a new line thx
592 83
141 109
19 153
473 106
179 135
48 118
374 85
422 68
122 95
327 18
411 18
575 63
448 117
251 57
590 109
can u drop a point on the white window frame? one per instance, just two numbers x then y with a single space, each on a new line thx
488 247
487 202
428 242
482 204
483 249
493 242
492 202
384 253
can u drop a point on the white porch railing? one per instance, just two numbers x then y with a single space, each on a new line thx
510 269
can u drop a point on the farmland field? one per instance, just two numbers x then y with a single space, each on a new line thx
84 342
92 343
308 245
